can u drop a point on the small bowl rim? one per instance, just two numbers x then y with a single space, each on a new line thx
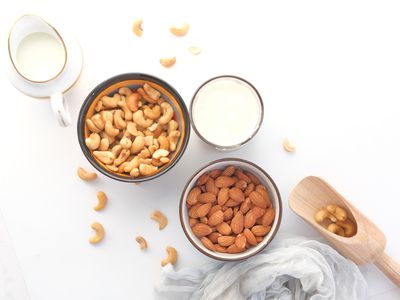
182 201
113 80
233 147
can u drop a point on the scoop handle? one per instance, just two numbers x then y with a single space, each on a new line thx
389 267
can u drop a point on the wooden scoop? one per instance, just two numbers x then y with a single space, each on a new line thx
367 245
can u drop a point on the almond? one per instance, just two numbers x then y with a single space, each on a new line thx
193 222
216 218
260 230
203 210
232 203
214 237
228 214
229 171
210 187
202 179
234 249
245 206
251 187
258 212
220 248
224 229
239 174
223 195
237 223
215 173
226 240
253 178
241 184
214 209
224 181
250 238
257 199
192 196
268 217
201 230
193 210
259 239
249 219
207 243
236 194
206 198
263 192
240 240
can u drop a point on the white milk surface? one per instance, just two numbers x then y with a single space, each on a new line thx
40 56
226 111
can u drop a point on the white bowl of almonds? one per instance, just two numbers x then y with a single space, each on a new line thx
133 127
230 209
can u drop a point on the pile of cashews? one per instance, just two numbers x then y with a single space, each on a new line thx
133 132
334 218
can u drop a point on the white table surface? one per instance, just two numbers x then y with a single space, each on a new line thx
328 72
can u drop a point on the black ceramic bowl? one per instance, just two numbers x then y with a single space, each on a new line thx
134 81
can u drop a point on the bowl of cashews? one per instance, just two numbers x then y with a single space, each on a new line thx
133 127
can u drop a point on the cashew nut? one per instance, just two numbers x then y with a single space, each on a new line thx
337 211
287 146
152 149
99 106
134 163
142 242
348 226
145 96
118 119
172 125
93 141
137 27
132 101
145 153
336 229
125 108
168 113
152 92
173 138
146 169
112 168
131 128
160 153
125 142
110 130
171 258
107 115
104 144
152 113
106 157
138 144
99 229
84 175
102 198
98 121
111 102
135 172
148 140
125 91
164 160
323 214
180 30
164 143
139 119
116 150
195 50
160 218
168 61
123 156
156 132
91 126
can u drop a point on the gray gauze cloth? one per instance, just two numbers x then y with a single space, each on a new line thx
291 268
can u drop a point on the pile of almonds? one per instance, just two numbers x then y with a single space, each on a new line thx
133 132
229 210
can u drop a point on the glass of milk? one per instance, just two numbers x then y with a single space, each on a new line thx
226 111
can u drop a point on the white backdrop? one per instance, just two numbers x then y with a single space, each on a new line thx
328 72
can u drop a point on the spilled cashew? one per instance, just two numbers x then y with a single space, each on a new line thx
287 146
160 218
180 30
195 50
99 229
102 198
84 175
171 258
137 27
168 61
142 242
